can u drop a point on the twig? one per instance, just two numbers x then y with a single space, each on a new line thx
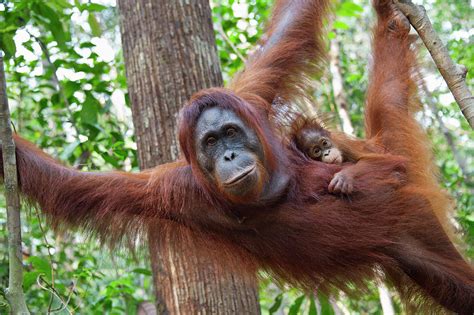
56 294
453 74
50 255
221 31
14 292
337 82
385 299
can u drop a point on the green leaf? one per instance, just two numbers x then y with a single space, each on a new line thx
69 150
95 7
29 278
142 271
339 25
326 307
89 110
78 5
93 129
7 44
54 25
8 29
94 24
349 9
276 305
63 4
70 87
87 45
351 6
470 217
312 307
110 160
41 265
295 307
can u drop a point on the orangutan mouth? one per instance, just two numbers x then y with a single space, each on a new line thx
242 175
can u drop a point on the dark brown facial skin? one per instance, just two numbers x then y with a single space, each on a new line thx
231 156
318 146
228 152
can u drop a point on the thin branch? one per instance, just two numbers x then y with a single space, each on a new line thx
221 31
54 292
337 82
50 256
445 131
454 74
14 292
385 299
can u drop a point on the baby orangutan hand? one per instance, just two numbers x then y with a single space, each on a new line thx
342 182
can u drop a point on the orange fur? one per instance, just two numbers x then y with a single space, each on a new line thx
366 156
292 49
305 236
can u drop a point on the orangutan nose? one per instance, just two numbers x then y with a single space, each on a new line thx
229 155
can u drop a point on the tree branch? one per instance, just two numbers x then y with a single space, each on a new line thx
454 74
14 292
432 105
337 82
221 32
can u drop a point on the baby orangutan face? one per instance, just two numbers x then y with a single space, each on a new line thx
317 145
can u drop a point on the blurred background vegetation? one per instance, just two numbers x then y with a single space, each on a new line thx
68 94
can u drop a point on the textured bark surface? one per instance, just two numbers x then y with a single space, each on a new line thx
170 53
14 292
454 74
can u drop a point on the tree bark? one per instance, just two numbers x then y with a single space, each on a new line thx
337 82
453 74
170 53
14 292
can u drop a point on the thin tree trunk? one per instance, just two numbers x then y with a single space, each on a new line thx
445 131
342 107
170 53
385 299
338 87
14 292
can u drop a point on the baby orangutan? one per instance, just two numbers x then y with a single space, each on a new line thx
317 143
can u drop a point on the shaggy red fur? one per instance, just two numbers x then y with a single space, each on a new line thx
307 236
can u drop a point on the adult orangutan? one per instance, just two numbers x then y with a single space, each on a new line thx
242 192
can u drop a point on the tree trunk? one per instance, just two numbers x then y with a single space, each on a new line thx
170 53
14 292
337 82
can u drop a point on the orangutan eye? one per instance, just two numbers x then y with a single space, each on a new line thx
316 152
230 132
210 141
326 143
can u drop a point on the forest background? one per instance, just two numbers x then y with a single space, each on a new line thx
68 94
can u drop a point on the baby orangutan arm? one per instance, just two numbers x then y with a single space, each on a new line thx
386 168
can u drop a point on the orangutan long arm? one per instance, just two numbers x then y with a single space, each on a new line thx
291 50
108 203
391 86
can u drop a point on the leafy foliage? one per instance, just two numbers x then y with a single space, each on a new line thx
67 90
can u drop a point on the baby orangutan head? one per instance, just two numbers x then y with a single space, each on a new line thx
315 142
